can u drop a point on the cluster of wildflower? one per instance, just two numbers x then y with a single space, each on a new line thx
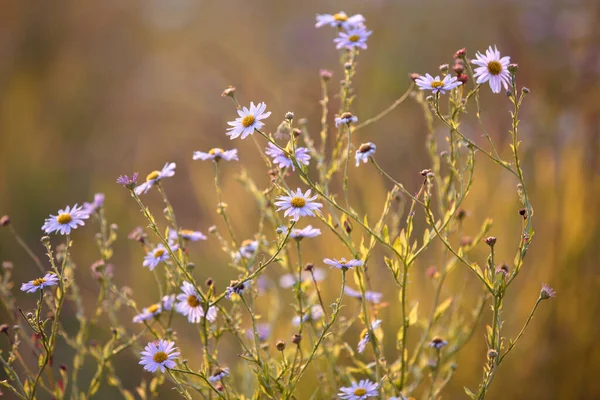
317 327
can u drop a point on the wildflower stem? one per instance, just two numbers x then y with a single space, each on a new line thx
27 249
514 342
388 110
201 376
221 207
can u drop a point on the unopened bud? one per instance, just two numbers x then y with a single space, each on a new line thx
458 68
5 220
46 240
513 68
460 53
414 76
309 267
325 74
230 91
289 115
296 338
347 226
297 132
209 282
492 353
444 67
490 241
425 172
348 65
463 78
525 90
523 213
280 345
212 229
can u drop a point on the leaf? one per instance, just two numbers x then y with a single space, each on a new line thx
469 393
413 316
441 309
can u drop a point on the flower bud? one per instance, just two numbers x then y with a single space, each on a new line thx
414 76
230 91
458 68
5 220
444 67
513 68
490 241
296 338
492 353
289 115
461 53
280 345
325 75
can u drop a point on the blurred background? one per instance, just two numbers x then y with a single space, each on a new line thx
93 90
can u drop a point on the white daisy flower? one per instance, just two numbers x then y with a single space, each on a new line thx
90 208
297 204
493 68
168 301
216 155
148 313
190 305
237 288
219 374
66 220
299 234
345 119
373 297
339 20
159 354
157 255
436 84
249 120
186 234
342 263
362 344
359 391
40 283
354 37
283 160
289 280
313 314
247 249
365 151
155 176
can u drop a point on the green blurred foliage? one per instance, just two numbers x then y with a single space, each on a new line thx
92 90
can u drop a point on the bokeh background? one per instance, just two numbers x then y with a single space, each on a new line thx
92 90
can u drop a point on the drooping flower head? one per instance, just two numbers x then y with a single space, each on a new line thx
283 160
219 374
359 391
154 177
345 119
159 354
157 255
365 151
493 68
339 20
298 204
94 206
342 263
437 85
307 232
66 220
190 305
366 336
248 121
40 283
354 37
216 155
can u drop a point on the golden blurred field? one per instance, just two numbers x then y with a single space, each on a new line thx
92 90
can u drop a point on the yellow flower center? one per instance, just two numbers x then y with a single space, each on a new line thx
186 232
160 357
64 218
212 152
340 17
437 84
248 120
298 202
193 301
39 281
494 67
152 175
159 253
357 391
153 308
354 38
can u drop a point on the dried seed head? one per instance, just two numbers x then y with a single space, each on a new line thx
444 67
63 367
525 90
46 240
437 343
425 172
5 220
230 91
461 53
325 74
458 68
347 226
4 328
309 267
513 68
280 345
296 338
289 115
523 213
492 353
348 65
209 282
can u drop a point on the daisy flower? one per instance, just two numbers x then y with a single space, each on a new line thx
343 264
66 220
298 205
247 249
345 119
299 234
40 283
359 391
157 255
339 20
547 292
437 85
190 305
263 330
219 374
313 314
373 297
154 177
249 120
216 155
289 280
362 344
159 354
283 160
127 181
168 301
148 313
354 37
186 234
365 151
493 68
90 208
237 288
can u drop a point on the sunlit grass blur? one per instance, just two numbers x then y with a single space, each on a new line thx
90 91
